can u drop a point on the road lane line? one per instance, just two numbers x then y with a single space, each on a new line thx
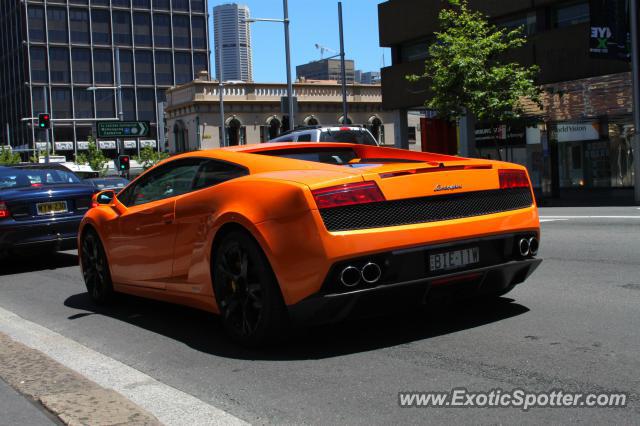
589 217
551 220
169 405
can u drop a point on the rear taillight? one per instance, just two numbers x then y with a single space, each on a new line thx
347 195
4 210
513 179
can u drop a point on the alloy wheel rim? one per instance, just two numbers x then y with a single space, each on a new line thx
241 298
93 266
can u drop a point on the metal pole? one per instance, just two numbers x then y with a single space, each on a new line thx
46 131
120 112
343 71
635 71
8 135
223 130
287 48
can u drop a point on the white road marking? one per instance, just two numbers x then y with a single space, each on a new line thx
171 406
551 220
588 217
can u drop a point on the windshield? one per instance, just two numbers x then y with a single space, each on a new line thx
109 183
24 178
358 136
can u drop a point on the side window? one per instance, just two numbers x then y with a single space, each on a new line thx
213 172
305 137
170 180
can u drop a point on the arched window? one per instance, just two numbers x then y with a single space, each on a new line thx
180 136
341 120
235 132
376 128
273 128
311 121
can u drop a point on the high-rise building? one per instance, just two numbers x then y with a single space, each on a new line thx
368 77
56 50
233 36
326 69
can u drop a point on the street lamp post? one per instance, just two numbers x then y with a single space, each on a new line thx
287 47
118 88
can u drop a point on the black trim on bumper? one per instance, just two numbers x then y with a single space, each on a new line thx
495 279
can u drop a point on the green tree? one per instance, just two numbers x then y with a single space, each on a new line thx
7 156
93 157
465 74
149 157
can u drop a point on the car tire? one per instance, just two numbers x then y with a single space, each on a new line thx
95 269
247 292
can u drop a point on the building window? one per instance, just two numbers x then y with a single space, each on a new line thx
162 30
100 2
121 28
81 60
83 102
61 102
59 65
36 23
129 104
181 37
84 2
79 25
414 51
37 99
197 6
142 28
101 27
121 3
199 32
142 3
527 22
200 63
144 67
105 106
183 68
164 68
103 66
146 105
181 5
39 65
126 66
161 4
571 14
57 23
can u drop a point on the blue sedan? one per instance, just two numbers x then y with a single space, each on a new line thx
41 206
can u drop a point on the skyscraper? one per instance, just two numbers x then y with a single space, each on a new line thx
327 69
233 36
57 50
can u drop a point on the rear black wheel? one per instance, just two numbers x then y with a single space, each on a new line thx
95 269
248 295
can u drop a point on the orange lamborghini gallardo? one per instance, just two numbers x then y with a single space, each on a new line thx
272 233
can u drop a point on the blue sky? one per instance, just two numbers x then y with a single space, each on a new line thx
311 22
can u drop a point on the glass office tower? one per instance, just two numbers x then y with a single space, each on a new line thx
56 49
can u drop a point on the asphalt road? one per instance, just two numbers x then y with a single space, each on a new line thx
574 325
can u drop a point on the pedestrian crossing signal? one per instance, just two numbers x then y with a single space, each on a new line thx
44 121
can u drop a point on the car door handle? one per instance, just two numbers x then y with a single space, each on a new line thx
168 218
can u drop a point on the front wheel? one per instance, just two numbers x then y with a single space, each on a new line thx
95 269
247 292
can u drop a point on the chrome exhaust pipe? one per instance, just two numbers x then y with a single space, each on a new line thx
350 276
371 273
534 244
523 247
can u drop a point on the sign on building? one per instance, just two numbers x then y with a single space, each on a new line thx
107 144
609 32
573 132
64 146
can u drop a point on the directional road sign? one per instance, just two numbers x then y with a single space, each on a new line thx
122 129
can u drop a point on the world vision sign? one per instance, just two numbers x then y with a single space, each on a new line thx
609 33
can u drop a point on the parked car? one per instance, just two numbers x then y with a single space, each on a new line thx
263 234
109 182
343 134
41 205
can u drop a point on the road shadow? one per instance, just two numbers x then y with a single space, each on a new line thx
36 261
203 331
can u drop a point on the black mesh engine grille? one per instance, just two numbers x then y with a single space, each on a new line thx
426 209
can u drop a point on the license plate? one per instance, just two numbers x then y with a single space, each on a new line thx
52 207
454 259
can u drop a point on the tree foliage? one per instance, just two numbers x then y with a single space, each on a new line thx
465 73
94 157
149 157
7 156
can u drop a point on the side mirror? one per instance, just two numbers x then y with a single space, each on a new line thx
105 197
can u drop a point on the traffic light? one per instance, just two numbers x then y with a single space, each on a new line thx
124 163
44 120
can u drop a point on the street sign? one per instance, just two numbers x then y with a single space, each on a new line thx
122 129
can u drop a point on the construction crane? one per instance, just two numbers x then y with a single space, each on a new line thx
323 49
